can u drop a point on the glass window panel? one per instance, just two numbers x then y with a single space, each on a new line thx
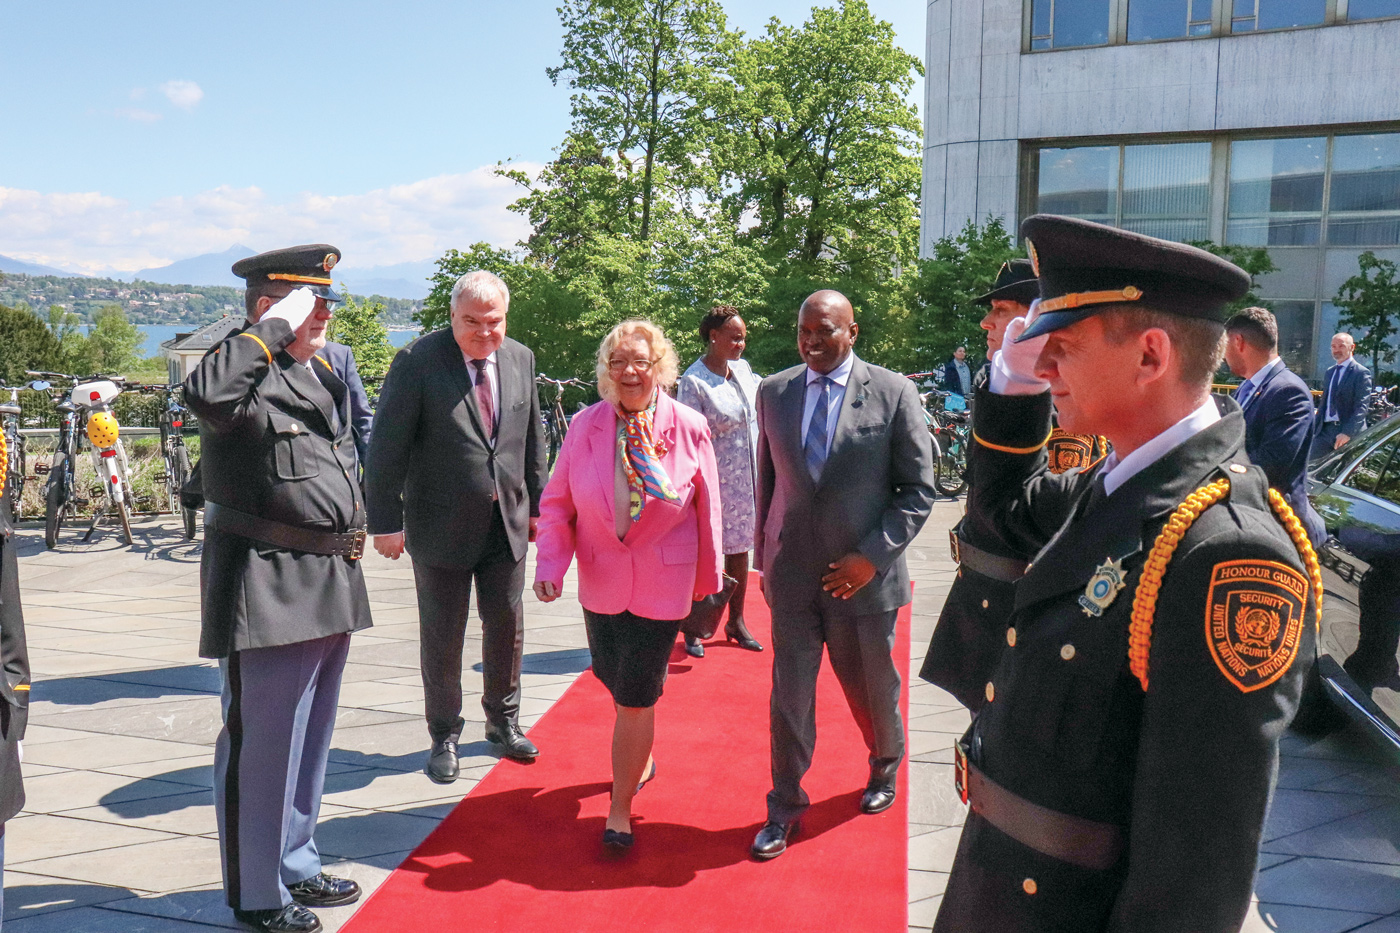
1286 14
1363 231
1366 173
1372 9
1242 25
1295 333
1243 8
1040 18
1081 22
1080 182
1038 44
1276 191
1166 190
1157 19
1200 29
1370 469
1388 487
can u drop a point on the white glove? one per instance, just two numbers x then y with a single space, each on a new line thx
294 309
1013 366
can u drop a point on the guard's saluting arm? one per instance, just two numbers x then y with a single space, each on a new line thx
223 389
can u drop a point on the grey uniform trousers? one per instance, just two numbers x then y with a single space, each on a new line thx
270 765
860 649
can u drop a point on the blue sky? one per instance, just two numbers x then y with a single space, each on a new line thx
148 131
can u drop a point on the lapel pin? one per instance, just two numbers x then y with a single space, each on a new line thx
1103 587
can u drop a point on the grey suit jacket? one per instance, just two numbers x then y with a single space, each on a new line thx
432 465
874 494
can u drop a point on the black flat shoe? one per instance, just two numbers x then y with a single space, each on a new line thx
512 741
694 648
772 840
616 842
442 764
743 639
290 919
324 890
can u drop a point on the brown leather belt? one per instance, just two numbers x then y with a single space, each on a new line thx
1072 839
350 546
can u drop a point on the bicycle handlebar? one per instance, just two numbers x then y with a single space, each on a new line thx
561 383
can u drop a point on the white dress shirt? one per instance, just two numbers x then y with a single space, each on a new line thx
1254 381
1117 472
840 376
493 378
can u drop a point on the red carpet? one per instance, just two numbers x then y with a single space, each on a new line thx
522 851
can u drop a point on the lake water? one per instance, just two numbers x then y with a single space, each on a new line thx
158 333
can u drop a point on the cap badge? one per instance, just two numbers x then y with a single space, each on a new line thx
1035 258
329 262
1103 587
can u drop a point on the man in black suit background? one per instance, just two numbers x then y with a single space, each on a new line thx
455 471
1341 412
1278 411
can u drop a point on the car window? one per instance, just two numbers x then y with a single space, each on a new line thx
1388 486
1369 471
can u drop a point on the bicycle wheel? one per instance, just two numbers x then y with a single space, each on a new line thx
948 477
554 439
182 467
123 514
56 499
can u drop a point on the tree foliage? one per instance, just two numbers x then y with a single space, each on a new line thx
960 269
1370 302
1254 260
359 324
113 343
25 343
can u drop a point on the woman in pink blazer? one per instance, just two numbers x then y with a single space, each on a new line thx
635 497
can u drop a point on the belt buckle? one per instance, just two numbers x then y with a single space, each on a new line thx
357 546
960 770
953 546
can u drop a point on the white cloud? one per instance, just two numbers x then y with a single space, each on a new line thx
137 115
183 94
95 233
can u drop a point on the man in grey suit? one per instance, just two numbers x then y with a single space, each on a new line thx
845 482
456 467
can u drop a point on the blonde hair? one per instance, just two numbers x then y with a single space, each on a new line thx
666 369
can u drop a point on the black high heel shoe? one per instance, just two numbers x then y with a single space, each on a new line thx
745 640
616 842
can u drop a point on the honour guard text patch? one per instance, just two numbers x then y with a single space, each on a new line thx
1254 620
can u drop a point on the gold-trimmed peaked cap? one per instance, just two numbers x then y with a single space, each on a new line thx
1085 268
308 265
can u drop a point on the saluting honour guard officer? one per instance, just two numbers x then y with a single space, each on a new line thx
1120 770
281 584
14 686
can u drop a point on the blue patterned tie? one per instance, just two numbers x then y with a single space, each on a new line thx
815 445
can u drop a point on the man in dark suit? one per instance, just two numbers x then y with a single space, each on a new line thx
280 581
845 482
342 362
1278 411
14 685
1341 413
455 471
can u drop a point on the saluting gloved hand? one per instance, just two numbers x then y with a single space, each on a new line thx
1013 366
294 309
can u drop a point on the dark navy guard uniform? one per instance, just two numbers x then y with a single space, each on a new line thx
1121 767
14 685
282 589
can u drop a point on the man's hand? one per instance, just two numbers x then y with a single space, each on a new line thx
545 591
1341 439
391 546
534 527
294 309
848 576
1013 366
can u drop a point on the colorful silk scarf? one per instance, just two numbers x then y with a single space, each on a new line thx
641 460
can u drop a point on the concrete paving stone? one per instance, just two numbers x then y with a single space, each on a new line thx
197 770
924 884
1349 744
169 864
934 850
189 814
383 789
932 797
159 607
106 623
1297 773
1293 811
1370 836
395 654
194 720
39 732
931 746
550 692
199 677
1332 884
45 664
370 873
107 750
71 790
923 912
173 653
207 906
372 832
1383 925
1268 860
1287 918
40 836
372 693
30 895
105 600
43 615
954 722
1367 780
100 920
114 643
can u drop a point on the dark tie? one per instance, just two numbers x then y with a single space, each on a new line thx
815 446
1331 414
484 399
1244 393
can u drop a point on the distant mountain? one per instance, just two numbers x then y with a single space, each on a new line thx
33 268
400 280
208 269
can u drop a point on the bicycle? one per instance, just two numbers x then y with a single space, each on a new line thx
556 423
173 452
91 396
952 435
16 459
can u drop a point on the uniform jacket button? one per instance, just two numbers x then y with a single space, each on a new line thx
985 604
1029 886
1067 652
991 692
1011 637
296 428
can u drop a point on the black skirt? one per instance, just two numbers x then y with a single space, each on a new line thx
630 655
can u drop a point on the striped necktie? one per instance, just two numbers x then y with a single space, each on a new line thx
814 447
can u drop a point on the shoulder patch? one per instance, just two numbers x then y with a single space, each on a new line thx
1254 620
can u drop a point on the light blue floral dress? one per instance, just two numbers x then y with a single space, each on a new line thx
730 407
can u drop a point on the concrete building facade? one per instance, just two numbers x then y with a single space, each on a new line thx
1272 123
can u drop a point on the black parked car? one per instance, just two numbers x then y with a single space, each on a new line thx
1356 489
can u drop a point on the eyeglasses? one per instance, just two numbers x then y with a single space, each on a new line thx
641 366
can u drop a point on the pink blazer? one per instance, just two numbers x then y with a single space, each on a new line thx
672 553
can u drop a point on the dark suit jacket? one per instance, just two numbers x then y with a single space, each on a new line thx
875 492
1278 432
14 684
1352 390
952 382
276 443
432 465
361 415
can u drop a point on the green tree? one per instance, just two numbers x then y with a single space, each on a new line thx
961 268
25 343
1370 301
112 343
1252 259
358 323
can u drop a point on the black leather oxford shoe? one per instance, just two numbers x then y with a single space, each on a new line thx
290 919
442 762
877 798
324 890
512 741
772 840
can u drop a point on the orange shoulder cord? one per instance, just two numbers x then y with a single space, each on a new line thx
1150 584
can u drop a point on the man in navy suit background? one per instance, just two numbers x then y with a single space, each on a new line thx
1278 411
1342 412
342 362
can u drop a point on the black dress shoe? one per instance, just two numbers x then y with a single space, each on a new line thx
877 798
772 840
742 638
324 890
512 741
442 762
694 648
290 919
616 842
